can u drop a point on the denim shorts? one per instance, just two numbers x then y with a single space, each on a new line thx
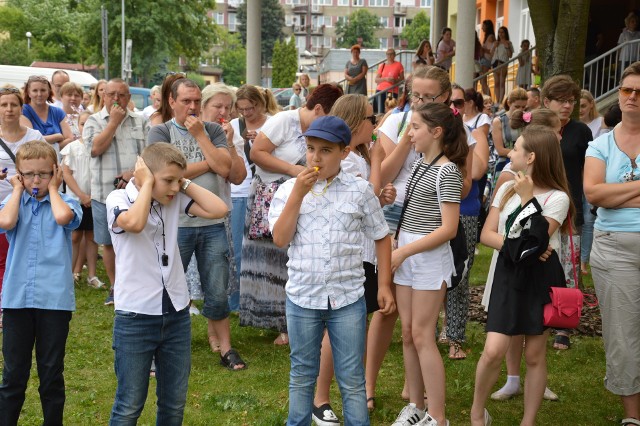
100 227
392 215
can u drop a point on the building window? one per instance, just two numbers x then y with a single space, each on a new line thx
425 3
358 3
232 22
378 3
288 20
383 43
384 21
343 2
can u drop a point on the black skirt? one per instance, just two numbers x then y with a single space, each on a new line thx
519 293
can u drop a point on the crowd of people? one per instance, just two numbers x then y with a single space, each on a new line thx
325 223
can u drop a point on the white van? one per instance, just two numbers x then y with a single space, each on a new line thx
18 76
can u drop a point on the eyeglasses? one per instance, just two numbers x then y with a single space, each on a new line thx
627 91
8 90
116 94
458 103
41 176
245 110
566 101
372 118
423 98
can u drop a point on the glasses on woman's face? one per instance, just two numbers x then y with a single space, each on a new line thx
245 110
569 102
627 91
372 118
458 103
425 98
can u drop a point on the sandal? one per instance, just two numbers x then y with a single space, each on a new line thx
372 400
282 339
458 352
231 360
630 421
76 277
561 342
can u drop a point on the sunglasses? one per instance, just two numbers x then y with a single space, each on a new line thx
38 78
372 118
458 103
8 90
627 91
182 74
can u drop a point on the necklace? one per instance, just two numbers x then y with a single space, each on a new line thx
324 190
183 130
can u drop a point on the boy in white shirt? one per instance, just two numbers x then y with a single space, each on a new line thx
151 295
322 215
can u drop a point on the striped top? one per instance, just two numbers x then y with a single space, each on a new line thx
422 215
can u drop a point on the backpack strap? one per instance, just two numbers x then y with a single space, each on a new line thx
6 148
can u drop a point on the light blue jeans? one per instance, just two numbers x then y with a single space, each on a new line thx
346 327
137 338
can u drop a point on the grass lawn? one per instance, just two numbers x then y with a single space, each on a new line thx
258 396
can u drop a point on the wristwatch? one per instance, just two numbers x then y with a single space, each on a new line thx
185 185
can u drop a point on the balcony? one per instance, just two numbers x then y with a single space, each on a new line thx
317 29
399 10
397 31
299 29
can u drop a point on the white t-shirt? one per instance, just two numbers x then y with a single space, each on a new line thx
555 205
242 190
147 111
76 156
285 132
7 163
478 121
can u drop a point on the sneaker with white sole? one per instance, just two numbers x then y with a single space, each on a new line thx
193 310
409 416
550 395
427 420
324 416
501 395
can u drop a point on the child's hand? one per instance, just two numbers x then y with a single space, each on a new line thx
385 301
397 257
85 199
523 187
544 256
16 182
56 179
3 174
305 181
377 152
141 173
388 194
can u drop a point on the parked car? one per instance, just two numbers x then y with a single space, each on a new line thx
283 95
140 97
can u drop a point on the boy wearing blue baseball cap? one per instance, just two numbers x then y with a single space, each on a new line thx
324 214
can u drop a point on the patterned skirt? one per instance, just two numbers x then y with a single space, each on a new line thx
263 276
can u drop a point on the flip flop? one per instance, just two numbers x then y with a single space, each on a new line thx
231 360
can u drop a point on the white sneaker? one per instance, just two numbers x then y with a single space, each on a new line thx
500 395
549 395
94 282
427 420
193 310
409 416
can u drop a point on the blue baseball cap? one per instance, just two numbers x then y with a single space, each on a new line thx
330 128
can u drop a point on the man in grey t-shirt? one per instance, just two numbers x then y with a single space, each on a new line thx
208 164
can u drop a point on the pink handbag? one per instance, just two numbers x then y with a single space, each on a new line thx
565 308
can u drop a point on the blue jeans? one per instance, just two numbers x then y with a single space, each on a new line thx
237 230
346 327
48 331
587 230
211 247
137 338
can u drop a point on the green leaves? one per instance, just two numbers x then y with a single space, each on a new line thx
360 24
417 30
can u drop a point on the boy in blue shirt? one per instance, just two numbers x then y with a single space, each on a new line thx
151 294
38 295
323 215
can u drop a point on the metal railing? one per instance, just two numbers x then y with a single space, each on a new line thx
512 71
602 74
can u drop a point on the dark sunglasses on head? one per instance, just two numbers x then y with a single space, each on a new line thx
182 74
372 118
458 103
8 90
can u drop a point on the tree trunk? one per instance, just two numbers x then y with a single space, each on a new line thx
560 27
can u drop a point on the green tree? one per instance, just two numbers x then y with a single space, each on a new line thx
360 24
417 30
272 19
560 27
285 63
233 59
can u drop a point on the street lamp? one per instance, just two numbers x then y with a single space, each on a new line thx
28 34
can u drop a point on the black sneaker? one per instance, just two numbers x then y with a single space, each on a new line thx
109 300
324 416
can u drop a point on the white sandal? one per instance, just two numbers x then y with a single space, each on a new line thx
630 421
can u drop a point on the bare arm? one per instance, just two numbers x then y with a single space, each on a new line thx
218 158
385 295
480 155
67 134
498 138
62 213
72 184
238 172
261 154
446 232
395 156
205 203
466 183
196 169
9 213
607 195
135 219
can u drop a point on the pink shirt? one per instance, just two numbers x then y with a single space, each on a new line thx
393 70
